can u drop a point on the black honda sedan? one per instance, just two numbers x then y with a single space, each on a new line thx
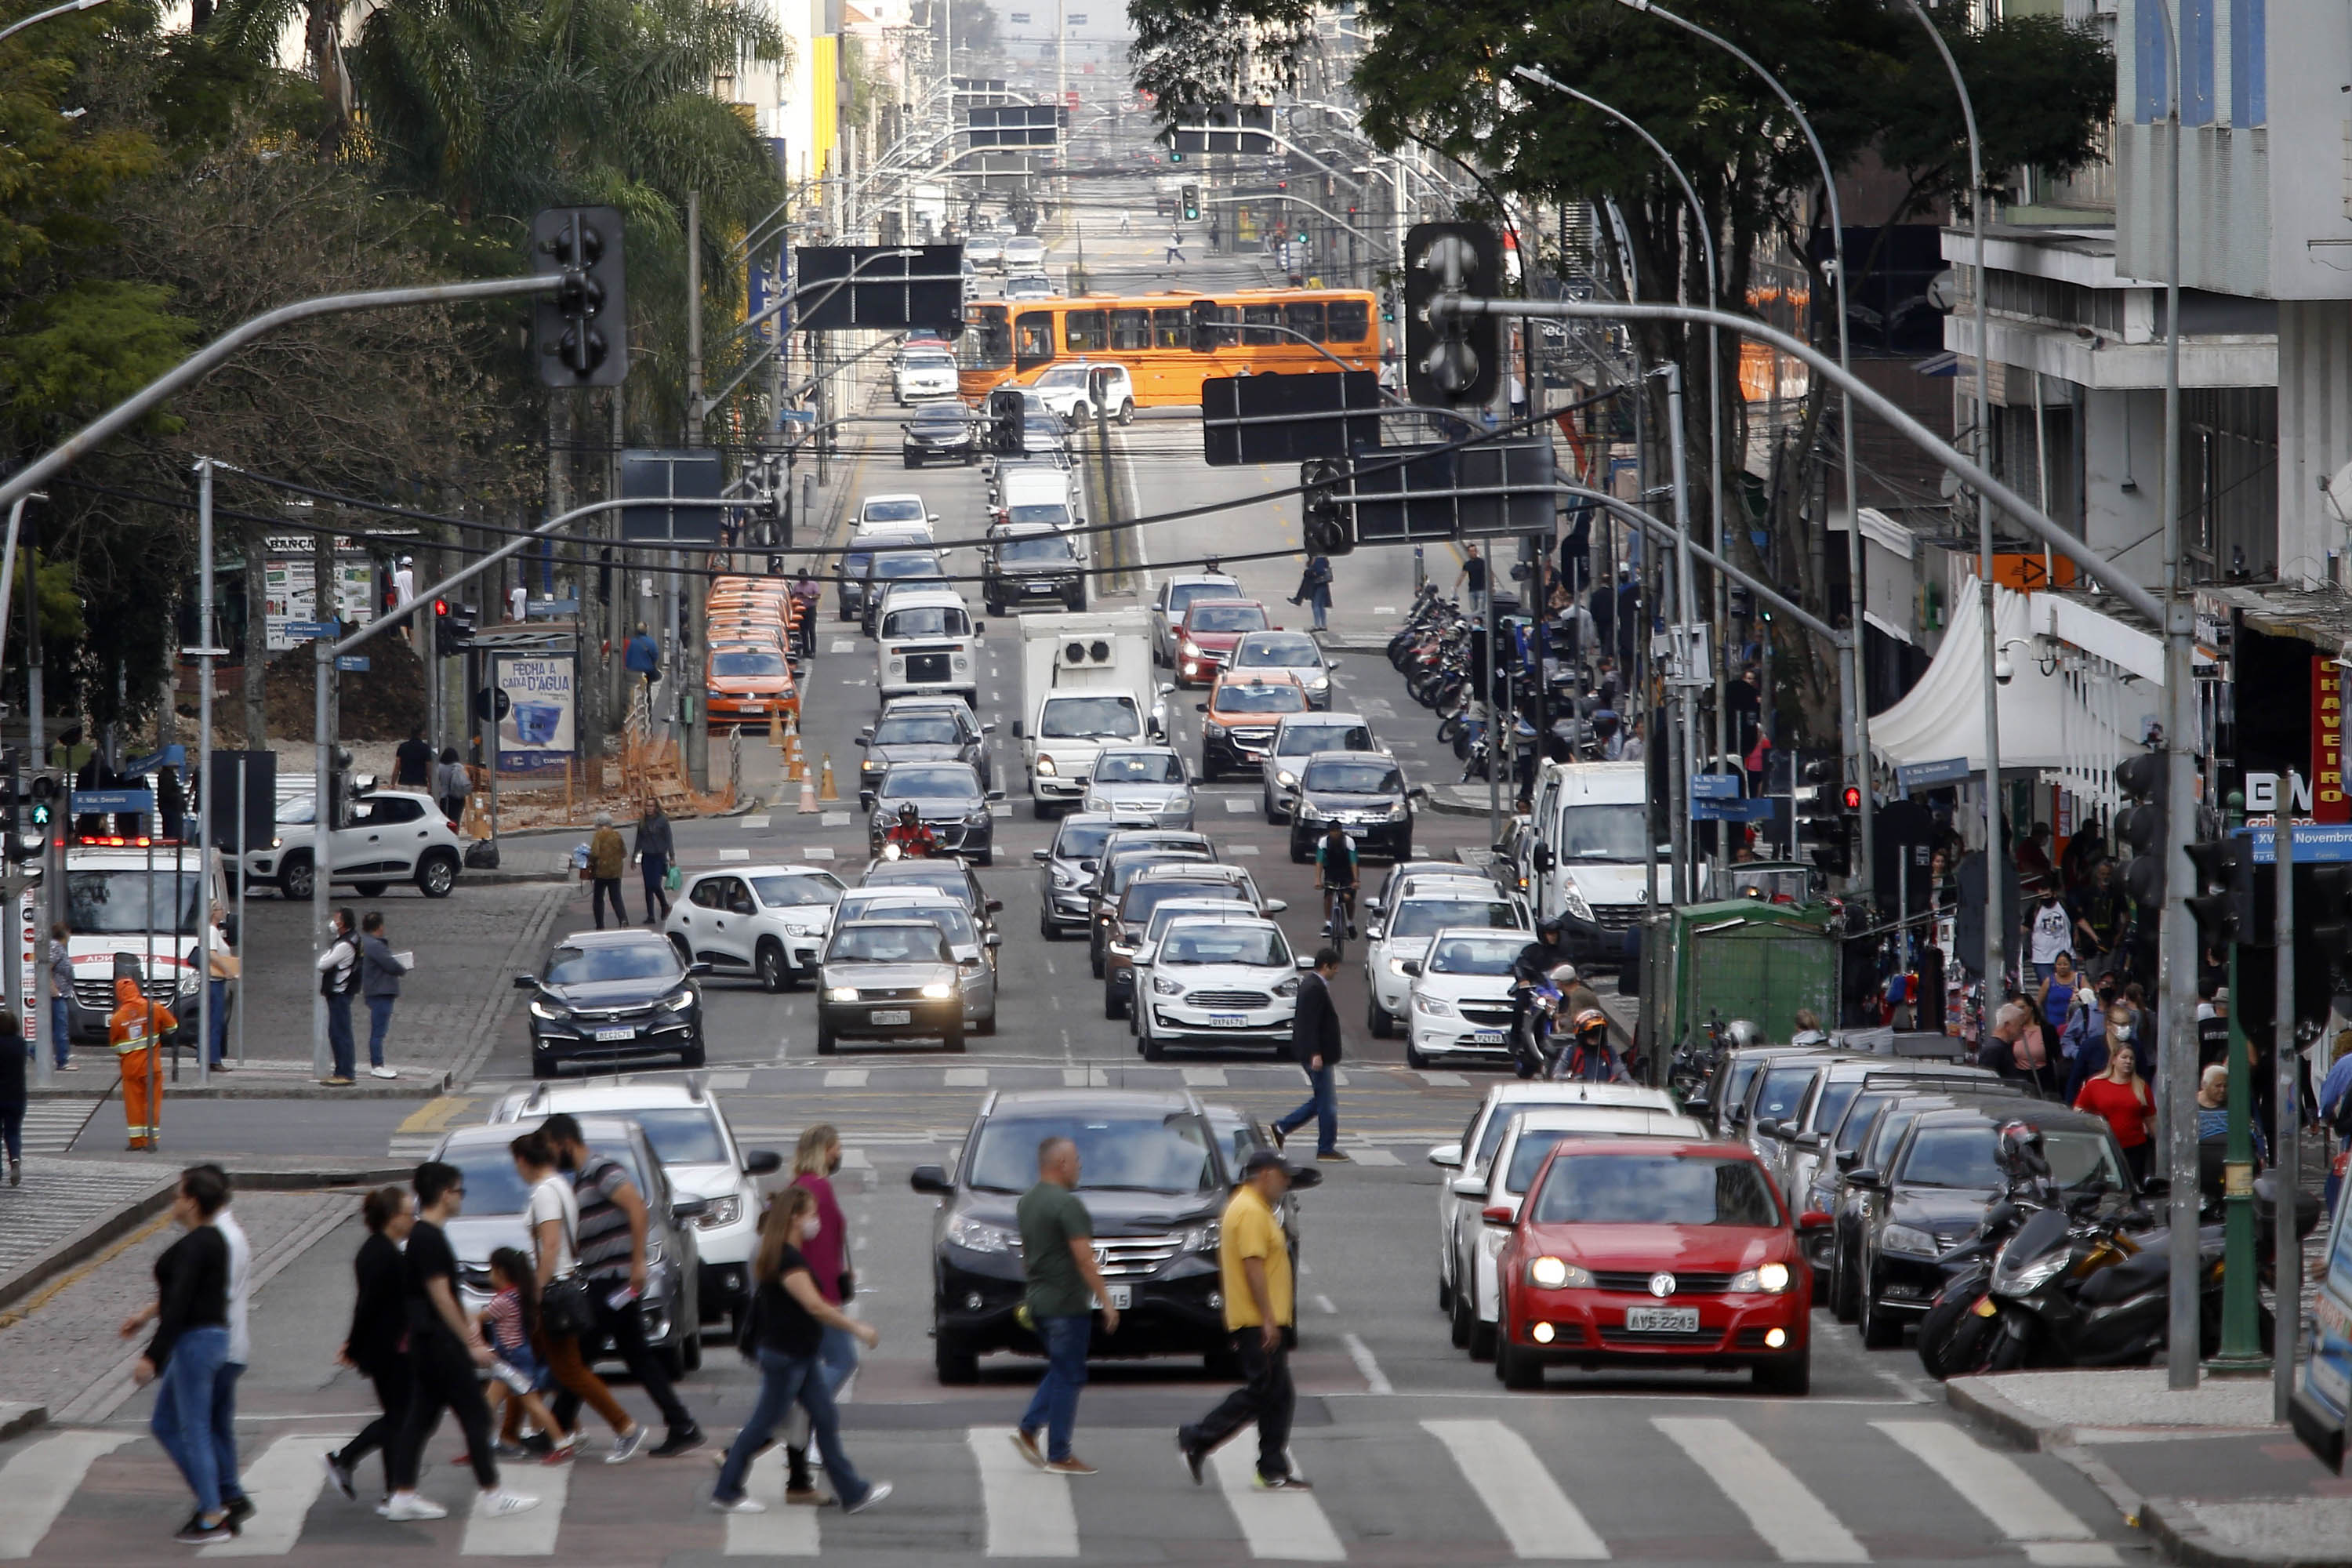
940 433
614 999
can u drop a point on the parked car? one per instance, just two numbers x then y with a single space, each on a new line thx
613 998
888 979
393 836
1211 979
747 683
770 922
1238 720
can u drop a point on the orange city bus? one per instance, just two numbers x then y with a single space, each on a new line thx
1016 340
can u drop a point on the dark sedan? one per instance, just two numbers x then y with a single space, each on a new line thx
949 798
941 432
850 568
1364 793
613 998
889 980
924 736
952 877
1155 1170
891 568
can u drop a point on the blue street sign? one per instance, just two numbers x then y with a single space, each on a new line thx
1927 775
304 630
796 416
112 800
2314 843
1757 810
350 661
169 757
1715 786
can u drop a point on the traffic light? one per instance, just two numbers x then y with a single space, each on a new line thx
1204 325
2322 936
1821 811
581 330
2141 824
453 626
1330 522
1460 358
2222 904
1191 203
42 809
1006 438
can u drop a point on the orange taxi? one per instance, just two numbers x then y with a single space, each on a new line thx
748 681
1237 720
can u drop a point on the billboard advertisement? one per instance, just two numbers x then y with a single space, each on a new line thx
537 702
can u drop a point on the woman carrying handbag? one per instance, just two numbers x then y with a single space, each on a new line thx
564 1313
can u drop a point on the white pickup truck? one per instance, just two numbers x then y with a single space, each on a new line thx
1085 682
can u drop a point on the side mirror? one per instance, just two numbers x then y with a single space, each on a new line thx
989 727
1372 932
1811 1140
1847 1159
2156 1187
865 800
931 1179
993 905
1041 856
1016 730
762 1163
698 968
995 794
1867 1178
1418 792
1276 906
1812 1219
1200 708
1768 1127
1446 1156
991 940
526 981
1301 1180
1305 961
1412 966
1696 1105
1542 858
863 741
1166 688
1090 865
1498 1216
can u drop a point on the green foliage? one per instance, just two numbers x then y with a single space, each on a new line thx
74 353
976 38
61 619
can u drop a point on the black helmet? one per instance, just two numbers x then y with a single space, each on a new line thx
1548 926
2020 1153
907 814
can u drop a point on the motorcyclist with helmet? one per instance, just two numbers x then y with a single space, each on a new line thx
1590 1055
909 836
1535 963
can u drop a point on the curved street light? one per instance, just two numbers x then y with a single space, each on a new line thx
15 27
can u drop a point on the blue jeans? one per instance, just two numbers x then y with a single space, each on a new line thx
60 1031
183 1420
219 989
339 1034
224 1429
379 1025
1054 1406
786 1381
837 1358
1321 1104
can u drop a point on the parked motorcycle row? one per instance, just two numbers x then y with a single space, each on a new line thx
1436 651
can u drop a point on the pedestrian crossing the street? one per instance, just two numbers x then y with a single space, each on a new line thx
52 1125
1553 1481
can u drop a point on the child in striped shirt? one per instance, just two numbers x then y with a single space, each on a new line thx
508 1324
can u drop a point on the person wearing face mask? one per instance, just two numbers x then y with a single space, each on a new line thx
825 1245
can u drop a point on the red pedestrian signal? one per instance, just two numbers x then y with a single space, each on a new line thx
1853 798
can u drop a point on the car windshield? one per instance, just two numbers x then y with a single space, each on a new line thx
1204 944
1055 512
299 810
1475 955
796 890
1139 767
1080 840
1183 596
1227 618
1856 1121
1089 718
918 729
929 362
1126 1152
944 783
941 415
493 1185
910 943
1255 699
747 662
1303 740
1784 1085
1655 1189
1144 897
1600 833
1062 376
125 902
1527 1154
1830 1105
1889 1130
1961 1154
619 961
907 511
953 919
1041 549
682 1134
1124 868
1420 916
1286 650
927 621
945 875
904 563
1344 777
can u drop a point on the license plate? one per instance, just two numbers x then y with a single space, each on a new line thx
1228 1021
1122 1296
1662 1319
893 1015
623 1033
1486 1037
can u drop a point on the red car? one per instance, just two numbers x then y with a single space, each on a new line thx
1650 1253
1206 636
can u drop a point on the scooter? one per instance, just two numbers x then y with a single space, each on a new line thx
1534 1040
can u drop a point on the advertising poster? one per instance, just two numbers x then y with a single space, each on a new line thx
536 705
287 566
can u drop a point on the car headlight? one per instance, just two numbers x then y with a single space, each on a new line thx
804 927
1210 727
1191 649
1320 683
1399 812
1046 765
1095 803
1164 986
1064 877
1286 778
723 1211
1771 1279
841 993
979 1235
1432 1007
1559 1274
1305 811
714 694
1203 1237
678 1004
1910 1241
1576 904
977 819
1288 987
898 666
870 765
938 991
553 1015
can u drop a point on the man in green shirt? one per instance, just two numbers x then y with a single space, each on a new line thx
1058 1258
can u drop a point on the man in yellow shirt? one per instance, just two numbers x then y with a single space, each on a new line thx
1253 1258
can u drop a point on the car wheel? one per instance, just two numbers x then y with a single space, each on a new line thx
1273 817
436 874
954 1038
368 889
986 1026
995 607
1209 773
1378 1019
1413 1056
1482 1337
1047 930
685 952
294 878
1112 1007
1153 1051
1298 852
987 856
827 1043
1792 1375
1842 1293
912 462
1038 808
1076 602
1879 1331
952 1362
1126 411
542 1069
1094 958
775 975
1458 1324
1520 1372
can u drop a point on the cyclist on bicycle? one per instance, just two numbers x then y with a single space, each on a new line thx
1335 875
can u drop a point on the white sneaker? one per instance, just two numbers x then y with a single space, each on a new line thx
500 1503
409 1506
744 1504
874 1494
382 1072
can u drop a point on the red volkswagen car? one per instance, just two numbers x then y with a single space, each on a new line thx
1654 1254
1206 636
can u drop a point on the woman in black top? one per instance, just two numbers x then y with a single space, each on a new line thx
787 1324
191 1318
377 1344
11 1094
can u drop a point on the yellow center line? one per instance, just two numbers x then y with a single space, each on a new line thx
434 1115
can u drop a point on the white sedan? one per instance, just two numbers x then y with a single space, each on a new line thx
1394 938
1217 980
769 921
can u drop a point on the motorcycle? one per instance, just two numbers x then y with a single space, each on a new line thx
1534 1040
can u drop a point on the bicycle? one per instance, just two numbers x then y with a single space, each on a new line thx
1337 908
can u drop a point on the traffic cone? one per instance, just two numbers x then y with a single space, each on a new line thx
795 762
824 790
808 795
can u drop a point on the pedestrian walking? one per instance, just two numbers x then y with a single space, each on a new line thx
223 967
611 1238
442 1355
607 858
1254 1277
552 1218
1314 1041
2120 1096
517 604
652 849
240 1349
1124 226
1315 589
826 1246
452 785
509 1324
61 996
12 1056
376 1345
413 762
1474 574
1058 1261
643 656
190 1313
134 1028
790 1318
1175 246
339 980
380 973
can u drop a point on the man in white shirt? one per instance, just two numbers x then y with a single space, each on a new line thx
518 604
240 1350
2049 930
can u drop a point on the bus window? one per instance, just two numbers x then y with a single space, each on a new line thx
1262 316
1305 317
989 345
1171 329
1351 322
1088 332
1130 329
1032 337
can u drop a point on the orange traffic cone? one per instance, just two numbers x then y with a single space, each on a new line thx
824 789
795 762
808 795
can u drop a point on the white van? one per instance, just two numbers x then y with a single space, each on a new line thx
925 643
1039 493
1584 848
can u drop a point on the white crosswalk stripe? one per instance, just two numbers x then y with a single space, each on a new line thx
781 1531
1781 1508
754 823
1240 804
1289 1526
530 1533
1204 1077
846 1078
52 1125
1030 1513
36 1484
1997 1486
734 853
1535 1515
283 1484
965 1077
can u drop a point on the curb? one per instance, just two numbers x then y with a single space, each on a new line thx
303 1088
2010 1421
16 1420
485 1035
2174 1527
1445 806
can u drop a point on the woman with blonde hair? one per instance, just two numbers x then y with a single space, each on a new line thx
814 1160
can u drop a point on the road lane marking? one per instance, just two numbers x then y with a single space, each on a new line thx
846 1078
1781 1508
1288 1526
833 819
728 1079
283 1483
734 855
999 808
1997 1487
1029 1512
842 645
1384 609
1375 1157
1375 1380
1241 849
1240 804
1324 1304
966 1077
781 1531
528 1534
755 822
816 852
1535 1515
434 1115
1444 1080
39 1480
853 1159
1204 1077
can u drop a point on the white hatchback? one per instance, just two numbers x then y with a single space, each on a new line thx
1394 938
1217 980
769 921
1065 389
1459 998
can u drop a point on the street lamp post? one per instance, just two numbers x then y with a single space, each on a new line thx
15 27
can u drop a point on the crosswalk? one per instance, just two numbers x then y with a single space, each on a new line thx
52 1125
1558 1481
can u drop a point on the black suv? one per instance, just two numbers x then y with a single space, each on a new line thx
1155 1170
614 999
1030 564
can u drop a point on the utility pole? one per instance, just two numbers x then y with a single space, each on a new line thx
206 653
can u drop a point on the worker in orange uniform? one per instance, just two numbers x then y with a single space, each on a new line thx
134 1030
